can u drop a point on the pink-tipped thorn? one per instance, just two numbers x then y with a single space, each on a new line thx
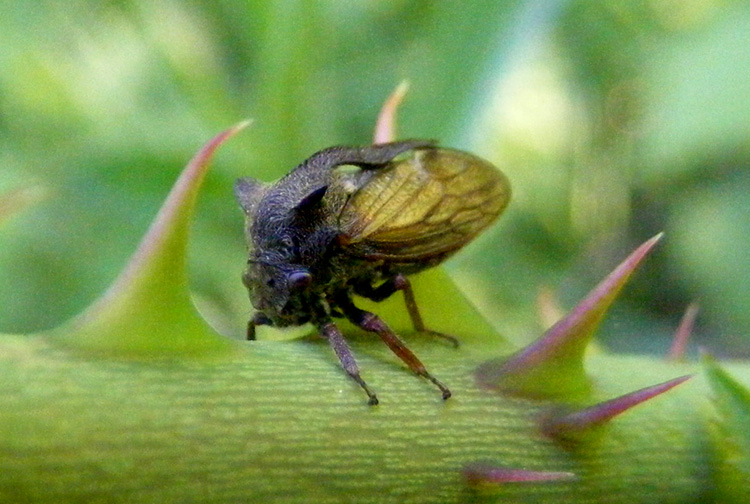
385 127
482 474
182 195
567 332
683 333
578 421
553 364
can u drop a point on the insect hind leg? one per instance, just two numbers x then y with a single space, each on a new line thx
401 283
372 323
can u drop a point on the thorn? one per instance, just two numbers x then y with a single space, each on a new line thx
479 473
122 320
567 424
683 333
552 366
385 126
548 307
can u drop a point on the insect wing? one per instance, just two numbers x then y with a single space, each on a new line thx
423 207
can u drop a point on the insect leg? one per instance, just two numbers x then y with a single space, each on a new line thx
331 332
371 322
258 319
400 282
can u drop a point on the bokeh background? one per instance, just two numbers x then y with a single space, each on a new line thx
614 121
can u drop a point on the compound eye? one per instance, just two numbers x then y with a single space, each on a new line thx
298 280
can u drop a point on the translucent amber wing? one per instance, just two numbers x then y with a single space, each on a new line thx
424 207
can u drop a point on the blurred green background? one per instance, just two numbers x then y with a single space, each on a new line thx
614 121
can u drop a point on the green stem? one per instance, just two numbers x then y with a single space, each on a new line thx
280 421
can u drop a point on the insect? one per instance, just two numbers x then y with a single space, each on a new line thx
357 221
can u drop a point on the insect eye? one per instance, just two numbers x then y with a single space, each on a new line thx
298 280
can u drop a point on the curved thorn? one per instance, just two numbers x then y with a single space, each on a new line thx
586 418
567 332
553 364
385 126
125 317
683 333
182 194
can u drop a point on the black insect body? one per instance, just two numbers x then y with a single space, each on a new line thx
324 232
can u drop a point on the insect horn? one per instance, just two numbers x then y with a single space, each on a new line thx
365 157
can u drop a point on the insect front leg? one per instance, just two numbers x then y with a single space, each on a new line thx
331 332
401 283
258 319
372 323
